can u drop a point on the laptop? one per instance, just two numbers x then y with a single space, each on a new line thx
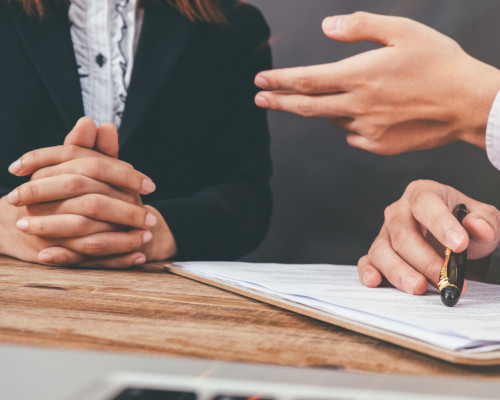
51 374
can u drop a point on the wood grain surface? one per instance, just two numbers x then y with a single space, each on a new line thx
148 311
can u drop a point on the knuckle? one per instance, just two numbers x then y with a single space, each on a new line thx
70 152
29 192
359 109
421 199
399 240
357 20
372 131
389 211
94 166
303 82
74 184
375 249
91 205
305 108
416 187
428 268
93 247
39 226
82 225
363 262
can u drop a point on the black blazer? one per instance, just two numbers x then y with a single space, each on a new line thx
190 122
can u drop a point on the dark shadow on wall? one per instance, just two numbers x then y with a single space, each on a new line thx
329 198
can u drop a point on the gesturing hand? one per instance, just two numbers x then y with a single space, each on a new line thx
419 91
409 249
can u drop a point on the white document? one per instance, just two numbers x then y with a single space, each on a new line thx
473 325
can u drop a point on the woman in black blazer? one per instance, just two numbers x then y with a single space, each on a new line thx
190 125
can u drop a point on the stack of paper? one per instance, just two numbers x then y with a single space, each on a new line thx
471 326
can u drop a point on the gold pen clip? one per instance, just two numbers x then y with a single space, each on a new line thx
444 281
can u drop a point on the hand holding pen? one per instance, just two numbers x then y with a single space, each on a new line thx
409 249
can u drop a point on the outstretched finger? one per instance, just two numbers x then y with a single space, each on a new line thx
314 79
329 106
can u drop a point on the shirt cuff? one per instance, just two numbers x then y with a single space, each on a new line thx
493 134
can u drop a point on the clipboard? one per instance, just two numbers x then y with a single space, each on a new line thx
488 358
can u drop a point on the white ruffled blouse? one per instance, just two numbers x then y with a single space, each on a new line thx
105 34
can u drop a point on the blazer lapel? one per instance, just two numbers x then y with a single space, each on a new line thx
50 48
163 37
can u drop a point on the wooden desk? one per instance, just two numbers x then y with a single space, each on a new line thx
148 311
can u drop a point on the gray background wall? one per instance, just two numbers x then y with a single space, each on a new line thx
329 198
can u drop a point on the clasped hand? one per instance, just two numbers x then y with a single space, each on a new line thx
82 206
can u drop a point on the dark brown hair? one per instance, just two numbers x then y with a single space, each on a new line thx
194 10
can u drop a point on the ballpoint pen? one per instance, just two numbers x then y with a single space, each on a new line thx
452 277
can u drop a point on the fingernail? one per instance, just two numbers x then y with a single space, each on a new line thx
140 260
261 101
409 283
261 82
148 186
15 167
453 239
13 197
23 224
45 257
332 24
150 220
147 237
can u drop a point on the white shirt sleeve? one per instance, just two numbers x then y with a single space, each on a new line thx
493 134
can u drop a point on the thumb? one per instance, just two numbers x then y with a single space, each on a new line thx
83 134
107 140
362 26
